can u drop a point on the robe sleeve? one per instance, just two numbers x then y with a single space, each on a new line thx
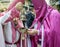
5 17
9 16
55 29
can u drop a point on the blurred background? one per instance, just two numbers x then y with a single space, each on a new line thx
5 3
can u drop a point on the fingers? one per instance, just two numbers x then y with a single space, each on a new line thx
15 19
32 31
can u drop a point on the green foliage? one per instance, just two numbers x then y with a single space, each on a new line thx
29 0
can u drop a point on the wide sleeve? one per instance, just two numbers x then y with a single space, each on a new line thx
54 40
9 16
5 17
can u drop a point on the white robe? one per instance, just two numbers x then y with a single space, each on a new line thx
2 40
42 29
2 43
8 35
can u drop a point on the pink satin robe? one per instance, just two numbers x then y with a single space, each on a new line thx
50 18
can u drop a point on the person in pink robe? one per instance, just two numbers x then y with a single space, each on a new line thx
50 19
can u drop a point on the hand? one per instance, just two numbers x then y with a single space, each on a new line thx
32 31
23 30
15 20
19 6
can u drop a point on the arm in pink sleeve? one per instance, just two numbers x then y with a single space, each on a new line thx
14 13
9 16
55 29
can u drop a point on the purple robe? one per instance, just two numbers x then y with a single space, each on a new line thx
50 18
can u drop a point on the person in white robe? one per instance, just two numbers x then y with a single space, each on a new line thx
11 35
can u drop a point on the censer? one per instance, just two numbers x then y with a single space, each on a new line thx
23 31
